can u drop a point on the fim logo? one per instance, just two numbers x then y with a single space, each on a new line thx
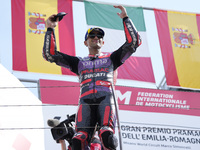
126 96
36 23
182 38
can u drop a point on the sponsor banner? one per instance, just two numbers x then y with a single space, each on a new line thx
129 99
28 30
179 41
151 137
158 101
99 15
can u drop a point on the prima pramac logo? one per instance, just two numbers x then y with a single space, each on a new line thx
36 23
182 38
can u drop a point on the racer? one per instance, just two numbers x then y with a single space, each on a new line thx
96 74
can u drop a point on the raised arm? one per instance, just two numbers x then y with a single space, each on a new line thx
133 39
131 33
50 52
49 49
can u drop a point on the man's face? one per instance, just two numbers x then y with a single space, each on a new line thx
94 40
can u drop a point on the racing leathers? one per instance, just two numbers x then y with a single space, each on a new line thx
96 76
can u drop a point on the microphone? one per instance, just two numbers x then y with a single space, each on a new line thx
53 122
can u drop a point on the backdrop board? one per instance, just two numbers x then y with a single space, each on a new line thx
149 118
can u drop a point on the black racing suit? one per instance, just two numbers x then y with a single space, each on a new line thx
96 76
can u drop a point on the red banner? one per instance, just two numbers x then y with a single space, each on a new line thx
166 48
18 35
131 99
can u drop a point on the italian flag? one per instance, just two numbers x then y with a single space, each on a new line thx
138 66
179 41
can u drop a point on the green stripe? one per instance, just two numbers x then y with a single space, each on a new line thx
104 15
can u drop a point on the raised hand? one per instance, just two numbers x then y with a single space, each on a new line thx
123 11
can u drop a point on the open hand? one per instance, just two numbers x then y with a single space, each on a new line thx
123 13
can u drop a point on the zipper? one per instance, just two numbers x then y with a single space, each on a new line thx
94 76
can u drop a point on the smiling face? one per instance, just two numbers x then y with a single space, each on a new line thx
94 42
